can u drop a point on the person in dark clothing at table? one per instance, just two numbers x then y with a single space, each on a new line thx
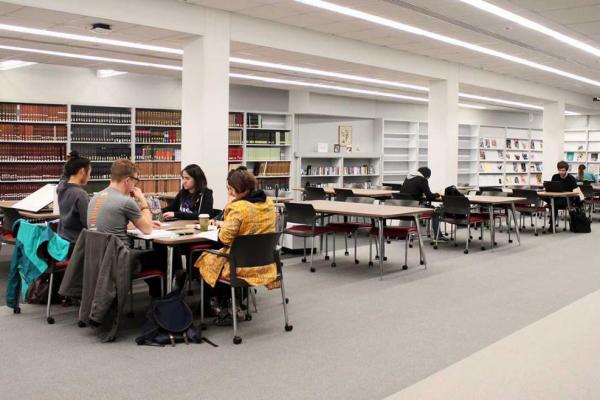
569 183
193 199
417 185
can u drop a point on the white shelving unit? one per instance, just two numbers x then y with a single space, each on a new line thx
468 155
582 143
404 149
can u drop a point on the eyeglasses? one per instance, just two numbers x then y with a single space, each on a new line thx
136 179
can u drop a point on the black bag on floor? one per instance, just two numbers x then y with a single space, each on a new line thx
579 222
169 320
452 191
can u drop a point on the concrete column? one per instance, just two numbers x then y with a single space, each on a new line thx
205 102
554 137
443 133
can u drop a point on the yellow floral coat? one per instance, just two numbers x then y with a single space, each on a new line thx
241 218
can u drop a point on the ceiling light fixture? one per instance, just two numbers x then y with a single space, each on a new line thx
527 23
572 113
473 106
501 101
92 58
107 73
12 64
90 39
442 38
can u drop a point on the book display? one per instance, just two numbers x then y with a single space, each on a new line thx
582 143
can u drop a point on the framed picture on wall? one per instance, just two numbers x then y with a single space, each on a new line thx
336 148
345 135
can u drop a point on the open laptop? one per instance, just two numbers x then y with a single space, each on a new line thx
553 186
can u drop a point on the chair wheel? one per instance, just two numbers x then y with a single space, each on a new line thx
482 248
510 241
327 257
81 324
130 314
356 261
288 328
455 244
389 241
346 253
405 267
303 259
237 340
17 310
287 300
312 269
410 246
370 263
434 247
50 320
536 234
377 257
248 317
333 265
466 251
422 262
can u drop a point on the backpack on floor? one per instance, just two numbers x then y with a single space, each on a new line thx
579 223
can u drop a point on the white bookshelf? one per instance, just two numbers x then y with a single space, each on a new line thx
404 149
468 155
582 143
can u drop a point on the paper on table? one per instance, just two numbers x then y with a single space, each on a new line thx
156 233
38 199
210 235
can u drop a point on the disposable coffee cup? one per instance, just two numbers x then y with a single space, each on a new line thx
203 222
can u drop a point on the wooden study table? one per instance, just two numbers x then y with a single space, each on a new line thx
558 195
42 216
375 193
374 211
495 201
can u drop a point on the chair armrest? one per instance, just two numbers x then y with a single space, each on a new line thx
216 253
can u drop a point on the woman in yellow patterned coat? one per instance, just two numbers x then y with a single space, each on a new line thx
248 212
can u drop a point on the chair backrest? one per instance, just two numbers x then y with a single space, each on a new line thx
359 199
314 193
403 196
490 189
249 251
493 193
393 186
456 205
587 191
402 202
342 194
298 213
531 195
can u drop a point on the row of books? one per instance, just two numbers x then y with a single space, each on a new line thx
268 137
160 186
278 185
30 172
26 132
235 153
37 152
152 153
100 115
159 170
236 136
119 134
272 168
517 144
578 156
154 117
233 166
320 170
101 171
158 135
360 170
254 121
103 153
264 153
500 155
33 112
236 119
17 191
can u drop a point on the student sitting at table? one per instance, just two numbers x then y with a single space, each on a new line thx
248 211
121 203
417 186
72 199
583 176
569 183
193 199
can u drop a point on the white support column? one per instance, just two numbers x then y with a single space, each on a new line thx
205 103
554 137
443 133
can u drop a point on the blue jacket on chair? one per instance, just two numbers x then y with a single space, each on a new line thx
27 263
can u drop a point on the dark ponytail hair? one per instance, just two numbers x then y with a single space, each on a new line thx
75 163
200 182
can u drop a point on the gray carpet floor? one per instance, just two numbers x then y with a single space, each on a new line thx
354 337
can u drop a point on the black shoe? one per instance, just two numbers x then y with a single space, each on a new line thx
443 239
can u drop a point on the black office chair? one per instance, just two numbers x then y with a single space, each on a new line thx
314 193
342 194
588 202
456 211
250 251
403 196
532 207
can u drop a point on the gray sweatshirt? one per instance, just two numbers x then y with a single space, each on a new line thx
73 204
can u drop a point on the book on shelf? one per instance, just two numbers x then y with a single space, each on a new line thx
359 170
272 168
96 152
18 191
236 136
157 135
100 115
32 152
159 170
233 166
482 155
500 155
320 170
268 137
593 157
235 153
34 133
253 120
157 153
30 172
33 112
160 186
236 120
570 156
157 117
580 157
85 133
264 153
281 184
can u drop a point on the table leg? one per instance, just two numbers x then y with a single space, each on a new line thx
553 218
421 246
568 213
169 268
492 227
514 214
381 247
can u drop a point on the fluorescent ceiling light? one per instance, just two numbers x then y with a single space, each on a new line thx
473 106
500 101
92 58
107 73
443 38
572 113
329 74
90 39
11 64
527 23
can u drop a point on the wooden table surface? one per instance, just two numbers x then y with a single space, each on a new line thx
364 210
28 214
493 200
360 192
183 239
558 194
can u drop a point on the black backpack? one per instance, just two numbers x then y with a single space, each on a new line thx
169 320
452 191
579 222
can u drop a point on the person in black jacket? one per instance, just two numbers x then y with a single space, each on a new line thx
417 186
193 199
569 183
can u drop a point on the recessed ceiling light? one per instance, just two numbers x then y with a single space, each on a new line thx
107 73
90 39
443 38
92 58
508 15
12 64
